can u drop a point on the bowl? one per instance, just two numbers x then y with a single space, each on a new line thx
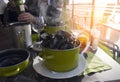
13 61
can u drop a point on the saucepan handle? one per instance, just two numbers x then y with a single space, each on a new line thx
43 54
36 46
47 57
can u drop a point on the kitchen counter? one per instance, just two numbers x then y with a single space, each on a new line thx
112 75
29 75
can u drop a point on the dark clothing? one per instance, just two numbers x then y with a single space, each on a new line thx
1 19
51 12
10 15
32 7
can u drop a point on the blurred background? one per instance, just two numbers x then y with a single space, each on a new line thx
103 15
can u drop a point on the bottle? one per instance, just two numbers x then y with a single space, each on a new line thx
20 6
95 38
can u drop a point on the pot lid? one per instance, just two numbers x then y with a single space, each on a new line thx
19 23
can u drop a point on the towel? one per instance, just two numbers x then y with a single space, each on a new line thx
95 64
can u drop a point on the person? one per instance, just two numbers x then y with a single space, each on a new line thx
37 12
5 39
2 8
10 14
41 12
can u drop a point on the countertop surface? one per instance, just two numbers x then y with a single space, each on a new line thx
29 74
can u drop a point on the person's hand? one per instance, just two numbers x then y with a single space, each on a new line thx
27 17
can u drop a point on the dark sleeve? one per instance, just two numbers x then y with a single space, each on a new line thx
33 8
10 15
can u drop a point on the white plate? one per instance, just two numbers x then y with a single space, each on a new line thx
42 70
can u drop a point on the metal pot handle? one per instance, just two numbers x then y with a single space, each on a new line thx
47 57
43 56
36 46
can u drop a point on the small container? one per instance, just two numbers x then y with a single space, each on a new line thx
95 38
83 37
21 34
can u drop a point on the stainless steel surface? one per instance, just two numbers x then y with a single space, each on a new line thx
21 34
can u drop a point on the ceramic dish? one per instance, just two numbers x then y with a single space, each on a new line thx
40 68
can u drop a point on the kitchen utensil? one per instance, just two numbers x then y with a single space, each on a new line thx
21 34
13 61
60 60
40 68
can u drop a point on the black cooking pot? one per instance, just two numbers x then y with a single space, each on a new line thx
13 61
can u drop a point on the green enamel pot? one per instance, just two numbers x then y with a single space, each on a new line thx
13 61
53 29
60 60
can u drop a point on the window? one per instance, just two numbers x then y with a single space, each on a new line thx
87 14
